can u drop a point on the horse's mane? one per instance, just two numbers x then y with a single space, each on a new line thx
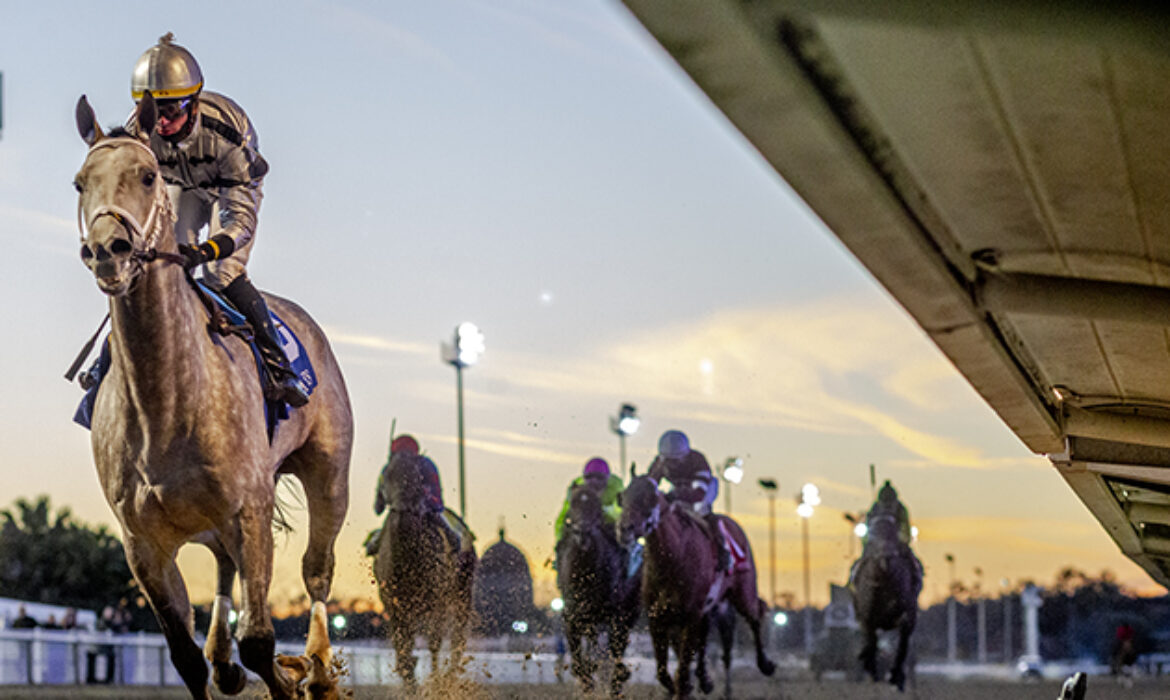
119 131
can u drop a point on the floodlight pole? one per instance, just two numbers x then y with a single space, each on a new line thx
459 402
622 449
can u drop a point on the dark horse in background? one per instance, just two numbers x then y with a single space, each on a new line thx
423 580
598 595
682 586
886 581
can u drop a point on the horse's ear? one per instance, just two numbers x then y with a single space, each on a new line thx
87 124
146 116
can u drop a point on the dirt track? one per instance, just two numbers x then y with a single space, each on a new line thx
748 689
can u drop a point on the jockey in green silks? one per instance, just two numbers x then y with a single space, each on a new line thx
607 486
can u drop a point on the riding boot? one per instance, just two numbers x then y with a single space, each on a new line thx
453 538
285 386
723 555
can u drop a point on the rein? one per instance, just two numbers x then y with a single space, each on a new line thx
148 232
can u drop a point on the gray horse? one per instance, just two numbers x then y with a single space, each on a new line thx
179 436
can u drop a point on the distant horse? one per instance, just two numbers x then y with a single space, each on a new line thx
423 580
886 581
681 586
591 575
179 434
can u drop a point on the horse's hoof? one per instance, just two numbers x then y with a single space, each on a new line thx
229 678
766 666
706 685
666 681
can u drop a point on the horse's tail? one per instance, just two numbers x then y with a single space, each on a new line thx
284 503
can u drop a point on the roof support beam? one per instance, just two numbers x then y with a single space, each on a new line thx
1047 295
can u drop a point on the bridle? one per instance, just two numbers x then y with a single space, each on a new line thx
161 213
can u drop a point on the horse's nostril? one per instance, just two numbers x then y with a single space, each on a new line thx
121 246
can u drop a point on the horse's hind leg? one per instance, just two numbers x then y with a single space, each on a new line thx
227 675
725 623
167 594
754 610
325 478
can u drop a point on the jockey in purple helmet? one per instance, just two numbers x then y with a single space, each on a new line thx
691 482
607 486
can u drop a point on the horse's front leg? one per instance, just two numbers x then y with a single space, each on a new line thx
690 644
868 653
619 639
254 627
580 664
403 640
660 635
227 675
705 682
163 585
898 672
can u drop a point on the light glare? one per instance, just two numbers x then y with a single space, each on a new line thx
520 626
629 425
804 510
733 472
780 618
339 622
861 529
810 494
557 604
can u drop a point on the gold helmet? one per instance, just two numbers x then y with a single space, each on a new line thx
167 70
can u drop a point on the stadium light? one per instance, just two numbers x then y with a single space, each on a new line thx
624 424
464 351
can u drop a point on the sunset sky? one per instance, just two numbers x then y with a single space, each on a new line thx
545 171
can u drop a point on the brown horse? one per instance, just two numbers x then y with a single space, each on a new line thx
598 593
423 580
179 436
886 581
681 583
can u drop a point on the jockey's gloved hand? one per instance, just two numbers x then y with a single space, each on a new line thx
195 256
214 248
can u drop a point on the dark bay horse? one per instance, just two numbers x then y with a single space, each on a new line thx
424 581
598 595
179 435
886 581
681 586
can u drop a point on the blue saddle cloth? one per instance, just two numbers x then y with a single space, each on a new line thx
274 411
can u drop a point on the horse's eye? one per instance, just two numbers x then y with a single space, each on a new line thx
86 253
77 186
148 179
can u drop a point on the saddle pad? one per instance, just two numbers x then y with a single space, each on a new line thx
739 556
273 411
289 342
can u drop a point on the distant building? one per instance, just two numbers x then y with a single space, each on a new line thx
503 589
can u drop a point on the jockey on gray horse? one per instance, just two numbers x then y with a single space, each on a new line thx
207 150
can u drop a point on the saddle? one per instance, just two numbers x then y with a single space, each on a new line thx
233 322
